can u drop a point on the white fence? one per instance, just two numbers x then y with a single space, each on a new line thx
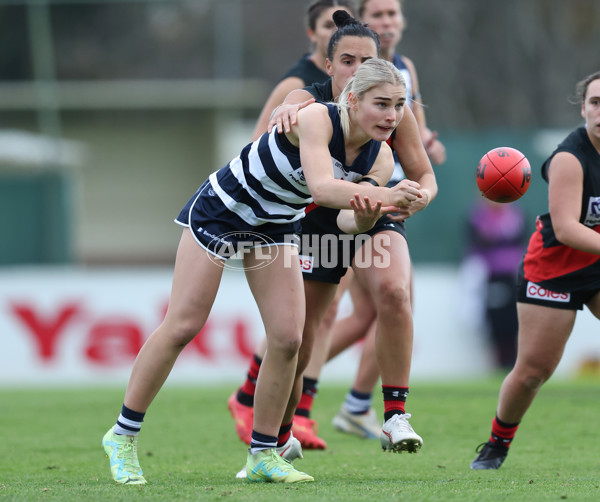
65 326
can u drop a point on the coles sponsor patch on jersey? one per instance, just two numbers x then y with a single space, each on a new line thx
306 264
540 293
592 218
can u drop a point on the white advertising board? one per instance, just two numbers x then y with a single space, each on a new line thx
72 326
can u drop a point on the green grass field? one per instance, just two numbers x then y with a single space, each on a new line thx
50 444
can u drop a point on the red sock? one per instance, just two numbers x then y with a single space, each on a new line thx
394 400
246 392
503 433
309 392
285 431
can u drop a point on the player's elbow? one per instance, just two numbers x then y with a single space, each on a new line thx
321 199
321 195
560 234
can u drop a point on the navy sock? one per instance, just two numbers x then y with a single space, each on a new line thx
129 422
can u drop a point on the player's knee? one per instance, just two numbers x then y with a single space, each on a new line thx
182 331
393 298
182 326
286 342
533 382
533 377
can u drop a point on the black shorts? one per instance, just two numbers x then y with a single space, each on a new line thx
529 292
325 253
223 233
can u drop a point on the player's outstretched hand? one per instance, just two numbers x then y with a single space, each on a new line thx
365 214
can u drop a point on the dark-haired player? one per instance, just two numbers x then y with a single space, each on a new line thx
559 274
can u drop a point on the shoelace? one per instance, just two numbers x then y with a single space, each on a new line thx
492 446
128 452
402 422
276 458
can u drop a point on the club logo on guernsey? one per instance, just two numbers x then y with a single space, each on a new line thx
592 217
540 293
298 176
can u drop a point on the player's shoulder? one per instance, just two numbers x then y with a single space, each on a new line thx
315 118
315 109
567 158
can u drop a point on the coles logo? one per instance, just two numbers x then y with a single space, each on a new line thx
535 291
306 264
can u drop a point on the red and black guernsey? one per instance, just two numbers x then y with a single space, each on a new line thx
547 261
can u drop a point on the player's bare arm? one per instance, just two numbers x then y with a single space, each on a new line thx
564 195
314 132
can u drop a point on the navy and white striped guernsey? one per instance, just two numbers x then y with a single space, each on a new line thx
265 183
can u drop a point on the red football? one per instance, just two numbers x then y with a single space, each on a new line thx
503 174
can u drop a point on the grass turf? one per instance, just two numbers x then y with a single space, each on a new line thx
50 443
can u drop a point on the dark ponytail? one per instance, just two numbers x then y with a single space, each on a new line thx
349 27
342 18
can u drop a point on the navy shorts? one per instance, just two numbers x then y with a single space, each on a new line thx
529 292
223 233
325 252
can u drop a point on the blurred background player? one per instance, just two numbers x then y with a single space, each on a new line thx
559 274
496 237
310 68
386 18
